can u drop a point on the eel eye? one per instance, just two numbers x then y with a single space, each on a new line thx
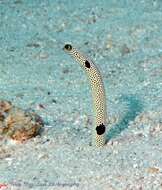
68 47
87 64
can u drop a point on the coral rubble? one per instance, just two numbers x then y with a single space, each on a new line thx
18 124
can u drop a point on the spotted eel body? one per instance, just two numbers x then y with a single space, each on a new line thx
98 94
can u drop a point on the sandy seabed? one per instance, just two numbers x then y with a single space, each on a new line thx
124 38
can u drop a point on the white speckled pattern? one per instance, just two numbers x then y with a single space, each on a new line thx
98 94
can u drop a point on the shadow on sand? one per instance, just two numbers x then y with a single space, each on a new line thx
134 108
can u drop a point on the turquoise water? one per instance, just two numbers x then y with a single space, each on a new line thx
124 38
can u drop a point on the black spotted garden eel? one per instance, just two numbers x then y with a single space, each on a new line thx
98 95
